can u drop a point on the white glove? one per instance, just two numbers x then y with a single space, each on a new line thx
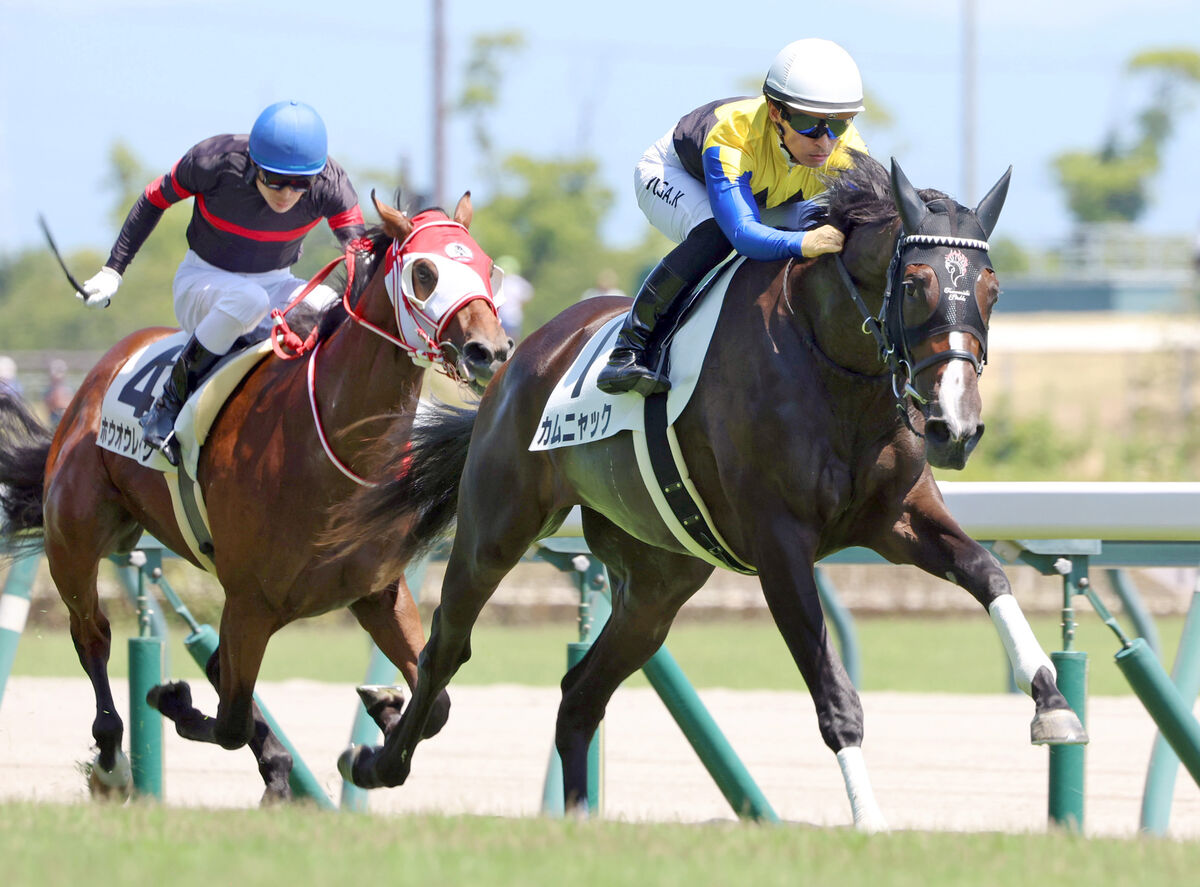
100 289
819 241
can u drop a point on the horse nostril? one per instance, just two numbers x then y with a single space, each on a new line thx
477 354
937 431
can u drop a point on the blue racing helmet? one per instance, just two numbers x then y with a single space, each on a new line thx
289 137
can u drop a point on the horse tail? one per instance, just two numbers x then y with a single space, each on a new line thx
415 499
24 448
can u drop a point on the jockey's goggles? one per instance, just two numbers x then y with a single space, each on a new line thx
277 181
813 127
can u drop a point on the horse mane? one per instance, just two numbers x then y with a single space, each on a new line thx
862 195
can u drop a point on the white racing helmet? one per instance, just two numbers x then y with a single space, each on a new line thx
815 76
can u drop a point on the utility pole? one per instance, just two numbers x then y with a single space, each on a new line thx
439 102
970 104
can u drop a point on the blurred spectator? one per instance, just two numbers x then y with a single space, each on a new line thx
8 376
515 291
58 392
606 285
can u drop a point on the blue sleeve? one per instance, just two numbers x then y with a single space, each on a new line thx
734 208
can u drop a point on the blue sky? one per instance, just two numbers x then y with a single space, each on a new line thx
77 75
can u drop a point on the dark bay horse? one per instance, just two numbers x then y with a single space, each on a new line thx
794 442
269 475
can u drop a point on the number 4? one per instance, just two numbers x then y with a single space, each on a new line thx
139 390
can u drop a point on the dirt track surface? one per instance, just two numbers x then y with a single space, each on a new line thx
937 761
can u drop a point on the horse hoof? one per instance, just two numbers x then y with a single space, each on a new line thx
1058 726
111 785
276 795
347 760
345 763
376 697
174 696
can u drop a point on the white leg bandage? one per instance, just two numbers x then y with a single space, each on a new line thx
1024 652
867 815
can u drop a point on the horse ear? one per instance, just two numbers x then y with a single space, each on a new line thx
463 212
912 208
989 208
395 223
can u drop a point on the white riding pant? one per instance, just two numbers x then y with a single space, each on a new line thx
218 306
675 201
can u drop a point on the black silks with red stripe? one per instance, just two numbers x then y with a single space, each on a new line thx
232 227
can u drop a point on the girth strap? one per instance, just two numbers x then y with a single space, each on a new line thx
687 510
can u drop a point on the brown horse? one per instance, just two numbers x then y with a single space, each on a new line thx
268 475
794 442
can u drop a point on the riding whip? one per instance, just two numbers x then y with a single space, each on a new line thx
54 249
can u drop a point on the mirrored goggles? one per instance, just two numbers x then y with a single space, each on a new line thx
814 127
277 181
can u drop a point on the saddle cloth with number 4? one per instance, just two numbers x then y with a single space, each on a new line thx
134 390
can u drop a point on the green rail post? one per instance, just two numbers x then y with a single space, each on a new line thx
14 610
1161 698
146 658
713 749
1067 762
1172 715
1164 763
592 581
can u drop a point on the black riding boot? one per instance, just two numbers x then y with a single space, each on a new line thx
158 422
627 370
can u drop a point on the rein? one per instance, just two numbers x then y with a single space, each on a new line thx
888 328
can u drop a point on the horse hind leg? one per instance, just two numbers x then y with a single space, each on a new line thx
646 595
75 570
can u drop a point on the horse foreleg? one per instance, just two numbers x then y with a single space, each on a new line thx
233 669
790 590
934 542
270 754
394 623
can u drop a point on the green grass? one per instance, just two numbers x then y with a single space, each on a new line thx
952 654
147 844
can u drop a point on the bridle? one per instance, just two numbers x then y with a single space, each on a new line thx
460 264
959 259
420 323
